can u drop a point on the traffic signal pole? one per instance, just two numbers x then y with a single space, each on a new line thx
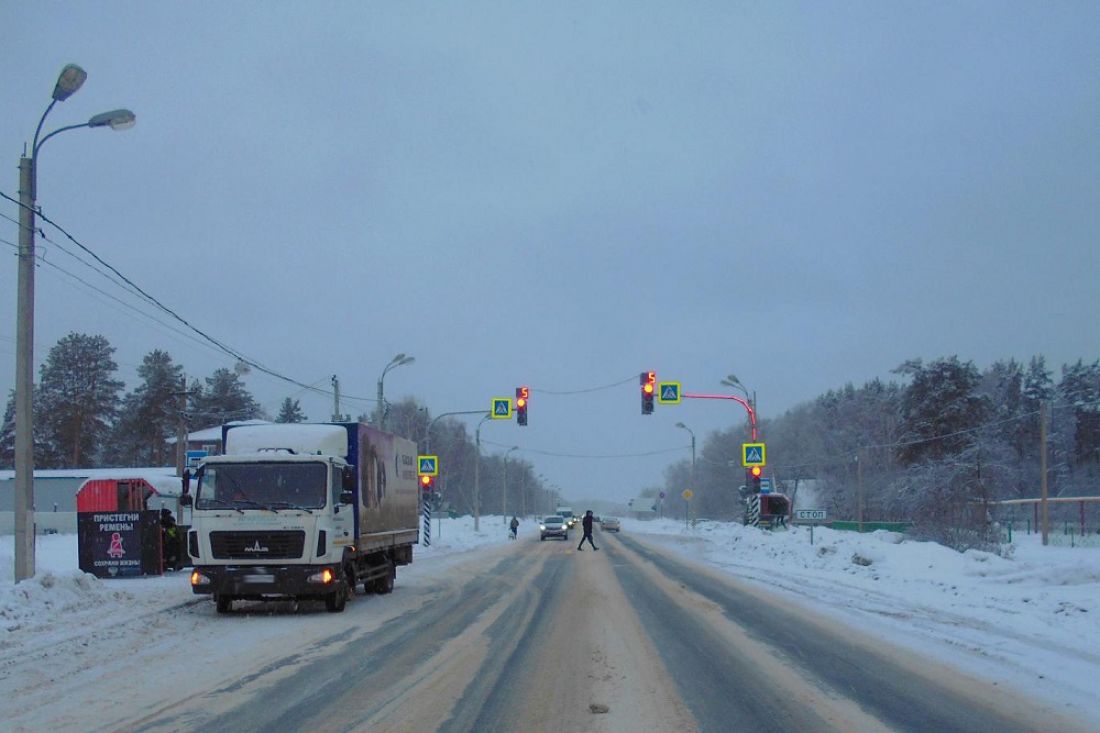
744 403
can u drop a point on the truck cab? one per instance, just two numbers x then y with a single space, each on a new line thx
285 513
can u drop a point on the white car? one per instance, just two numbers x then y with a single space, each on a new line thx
553 527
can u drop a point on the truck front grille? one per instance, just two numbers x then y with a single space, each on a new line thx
285 544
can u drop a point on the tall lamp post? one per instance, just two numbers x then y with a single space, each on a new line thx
732 381
477 473
504 488
399 360
685 427
68 82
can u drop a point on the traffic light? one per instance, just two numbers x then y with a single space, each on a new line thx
754 473
522 393
427 483
648 380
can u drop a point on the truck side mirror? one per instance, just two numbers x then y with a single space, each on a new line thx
185 495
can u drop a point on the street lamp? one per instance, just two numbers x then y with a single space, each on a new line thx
399 360
504 488
68 82
477 473
685 427
732 381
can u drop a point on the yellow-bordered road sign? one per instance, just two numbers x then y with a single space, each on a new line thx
427 465
687 494
753 454
502 408
668 393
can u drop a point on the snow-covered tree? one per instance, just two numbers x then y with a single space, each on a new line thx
290 411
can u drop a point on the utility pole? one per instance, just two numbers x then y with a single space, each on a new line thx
181 427
24 379
1043 470
336 399
859 485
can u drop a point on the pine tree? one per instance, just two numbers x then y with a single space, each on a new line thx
224 399
7 434
79 399
938 406
1080 388
149 414
290 411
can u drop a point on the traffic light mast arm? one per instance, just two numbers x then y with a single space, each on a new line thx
735 398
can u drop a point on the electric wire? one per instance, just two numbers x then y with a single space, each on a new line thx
590 455
224 348
583 391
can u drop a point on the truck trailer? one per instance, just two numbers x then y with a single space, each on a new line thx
302 511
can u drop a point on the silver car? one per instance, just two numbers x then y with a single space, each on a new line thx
553 527
609 524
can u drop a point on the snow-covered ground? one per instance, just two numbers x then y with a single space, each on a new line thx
1031 621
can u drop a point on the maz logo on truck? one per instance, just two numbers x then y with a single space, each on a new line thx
257 547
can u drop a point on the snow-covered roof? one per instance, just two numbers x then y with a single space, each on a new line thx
214 434
149 474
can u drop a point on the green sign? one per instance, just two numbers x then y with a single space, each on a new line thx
668 393
753 454
427 465
502 408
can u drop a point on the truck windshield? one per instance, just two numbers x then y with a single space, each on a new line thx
262 486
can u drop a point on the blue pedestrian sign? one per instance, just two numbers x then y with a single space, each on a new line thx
753 454
668 393
502 408
427 465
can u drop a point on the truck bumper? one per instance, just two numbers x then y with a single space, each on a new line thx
252 582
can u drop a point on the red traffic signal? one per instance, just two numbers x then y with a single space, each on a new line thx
648 380
755 471
427 482
522 396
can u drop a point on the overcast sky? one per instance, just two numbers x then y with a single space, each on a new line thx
564 195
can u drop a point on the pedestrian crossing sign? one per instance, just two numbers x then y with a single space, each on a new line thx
753 454
502 408
668 393
427 465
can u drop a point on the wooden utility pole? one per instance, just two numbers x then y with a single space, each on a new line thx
181 428
859 489
1045 516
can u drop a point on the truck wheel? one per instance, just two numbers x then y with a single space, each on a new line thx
224 603
349 575
384 585
335 601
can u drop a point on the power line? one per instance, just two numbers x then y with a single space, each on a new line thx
594 456
137 289
583 391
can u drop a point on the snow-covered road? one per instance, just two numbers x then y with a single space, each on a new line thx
74 649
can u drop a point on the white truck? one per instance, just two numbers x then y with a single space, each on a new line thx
566 513
303 511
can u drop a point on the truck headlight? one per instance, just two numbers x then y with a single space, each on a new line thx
325 577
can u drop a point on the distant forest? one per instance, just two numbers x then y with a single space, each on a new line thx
930 447
85 419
